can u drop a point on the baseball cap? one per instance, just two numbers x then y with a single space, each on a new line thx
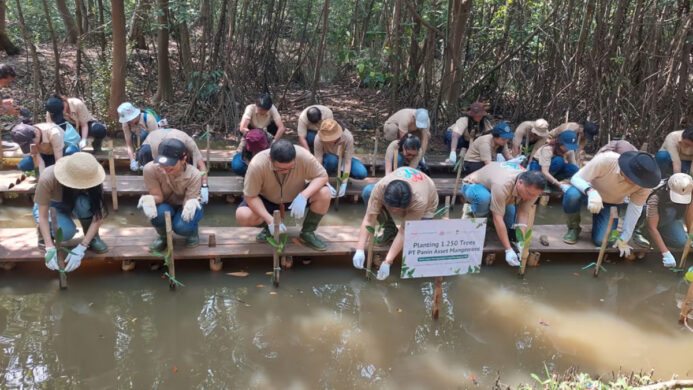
680 188
502 130
256 141
171 151
568 139
23 135
421 118
54 105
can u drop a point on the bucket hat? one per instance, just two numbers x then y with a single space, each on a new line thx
640 168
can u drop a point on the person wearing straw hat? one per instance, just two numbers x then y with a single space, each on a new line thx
606 181
309 123
556 160
407 194
485 149
49 141
173 186
665 212
409 120
676 153
263 114
253 142
466 129
77 113
74 186
331 138
530 134
276 180
135 123
507 191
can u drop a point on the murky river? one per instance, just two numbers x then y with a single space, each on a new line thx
327 327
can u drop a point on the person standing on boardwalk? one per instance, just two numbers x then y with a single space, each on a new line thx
136 123
333 138
409 120
262 115
407 194
309 123
285 176
466 129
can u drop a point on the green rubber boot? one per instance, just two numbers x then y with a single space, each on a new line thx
96 244
571 236
308 236
96 144
264 233
389 229
193 240
159 243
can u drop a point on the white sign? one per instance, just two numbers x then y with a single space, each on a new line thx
443 247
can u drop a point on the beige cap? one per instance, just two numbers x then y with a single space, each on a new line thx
680 188
541 128
330 130
79 171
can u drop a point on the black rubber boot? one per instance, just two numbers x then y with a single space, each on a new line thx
159 243
96 244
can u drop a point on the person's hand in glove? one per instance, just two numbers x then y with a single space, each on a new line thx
298 206
204 194
134 165
384 271
668 259
282 228
148 206
518 160
52 259
342 188
511 258
333 192
359 258
594 201
189 209
82 143
623 248
453 157
74 259
565 187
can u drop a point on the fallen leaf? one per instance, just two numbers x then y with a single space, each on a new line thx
259 285
174 369
399 310
273 293
269 273
239 274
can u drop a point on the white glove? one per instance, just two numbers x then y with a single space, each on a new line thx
511 258
74 259
342 189
82 143
668 260
453 157
162 123
52 259
204 195
623 247
384 271
134 165
333 192
564 187
148 205
189 208
282 228
594 201
359 258
298 206
518 160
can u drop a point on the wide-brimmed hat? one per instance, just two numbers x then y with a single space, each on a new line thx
568 139
680 188
127 112
79 171
330 131
477 108
171 150
24 136
256 141
541 128
640 168
421 116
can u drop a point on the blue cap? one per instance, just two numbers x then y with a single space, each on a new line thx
422 118
502 130
568 139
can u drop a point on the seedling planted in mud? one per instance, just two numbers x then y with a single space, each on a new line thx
167 256
278 246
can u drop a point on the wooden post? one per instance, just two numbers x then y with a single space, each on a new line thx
114 182
375 153
209 136
687 304
53 214
340 160
275 256
438 285
169 248
456 189
525 249
139 140
369 255
33 150
687 247
613 214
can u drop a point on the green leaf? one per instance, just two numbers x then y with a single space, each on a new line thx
519 235
370 229
614 235
441 212
458 164
272 241
58 234
173 280
344 177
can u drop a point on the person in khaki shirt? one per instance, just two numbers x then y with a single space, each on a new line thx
409 120
619 146
676 152
137 124
556 160
173 186
77 113
262 115
49 141
309 123
406 149
466 129
606 181
485 149
330 140
531 135
507 191
585 131
276 180
406 193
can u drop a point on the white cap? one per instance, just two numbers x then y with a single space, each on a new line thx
422 118
680 188
127 112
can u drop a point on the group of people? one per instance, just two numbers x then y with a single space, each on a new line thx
505 171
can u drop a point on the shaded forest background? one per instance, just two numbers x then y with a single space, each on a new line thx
623 63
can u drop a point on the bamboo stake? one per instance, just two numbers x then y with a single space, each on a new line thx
53 213
456 189
139 140
613 214
525 249
687 304
369 255
438 285
169 247
114 182
687 247
209 135
340 160
275 256
375 153
33 150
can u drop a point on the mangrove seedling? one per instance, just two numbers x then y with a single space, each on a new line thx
167 256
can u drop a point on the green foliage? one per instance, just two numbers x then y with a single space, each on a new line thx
524 238
407 272
580 380
167 256
278 246
441 212
370 229
205 84
371 74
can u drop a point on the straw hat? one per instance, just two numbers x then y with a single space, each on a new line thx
79 171
541 128
330 130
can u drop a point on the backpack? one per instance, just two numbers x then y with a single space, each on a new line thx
150 111
71 136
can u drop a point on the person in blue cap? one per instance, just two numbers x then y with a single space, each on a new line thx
484 149
409 120
556 160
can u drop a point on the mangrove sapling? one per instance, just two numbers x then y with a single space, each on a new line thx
373 232
58 242
167 256
278 241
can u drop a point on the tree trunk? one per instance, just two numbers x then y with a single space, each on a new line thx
78 74
218 36
136 33
58 85
396 54
321 51
5 43
164 91
452 72
102 26
185 51
68 21
118 61
36 81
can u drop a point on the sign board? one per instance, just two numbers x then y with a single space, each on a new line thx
443 247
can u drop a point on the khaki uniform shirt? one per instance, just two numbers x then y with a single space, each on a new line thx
604 175
405 123
304 124
176 189
79 113
48 188
500 178
544 155
424 199
262 180
392 152
619 146
523 132
677 151
260 121
461 127
149 126
155 138
52 138
346 142
483 149
574 126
